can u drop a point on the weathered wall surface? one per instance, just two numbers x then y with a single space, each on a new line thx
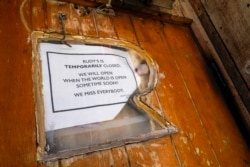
227 25
185 93
231 19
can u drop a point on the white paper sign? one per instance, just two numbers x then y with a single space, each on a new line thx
84 83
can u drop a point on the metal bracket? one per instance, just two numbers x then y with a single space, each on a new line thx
106 9
63 17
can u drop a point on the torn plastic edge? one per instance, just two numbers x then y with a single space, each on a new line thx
42 156
171 129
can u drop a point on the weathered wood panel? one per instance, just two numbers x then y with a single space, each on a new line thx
156 153
72 24
204 95
228 55
231 19
171 87
120 156
17 123
52 20
208 135
88 25
38 16
104 26
124 28
143 154
112 157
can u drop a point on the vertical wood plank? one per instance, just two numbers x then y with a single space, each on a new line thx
17 117
188 98
225 138
162 152
124 28
88 25
93 159
139 155
174 97
224 13
158 152
25 14
72 18
120 157
75 23
38 15
107 158
53 23
97 159
104 26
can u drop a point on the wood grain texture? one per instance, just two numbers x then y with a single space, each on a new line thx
205 98
143 154
53 23
88 25
174 96
38 16
124 28
17 123
162 151
120 156
236 14
111 157
227 56
153 153
104 26
71 23
185 93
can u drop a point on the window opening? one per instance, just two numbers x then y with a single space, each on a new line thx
89 97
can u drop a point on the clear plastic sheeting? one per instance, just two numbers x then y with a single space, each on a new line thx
131 125
92 98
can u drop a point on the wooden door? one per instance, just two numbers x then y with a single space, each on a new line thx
185 92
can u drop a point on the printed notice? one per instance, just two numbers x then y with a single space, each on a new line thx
84 84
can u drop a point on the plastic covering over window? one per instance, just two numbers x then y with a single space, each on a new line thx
90 97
